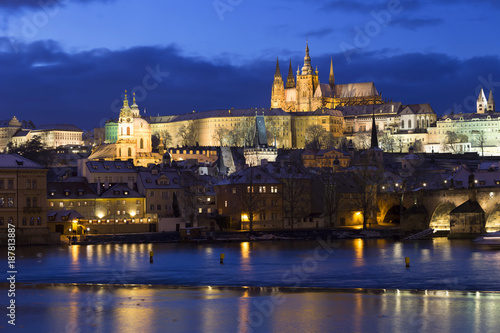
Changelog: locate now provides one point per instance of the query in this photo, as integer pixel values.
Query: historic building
(22, 199)
(133, 139)
(8, 128)
(56, 135)
(306, 93)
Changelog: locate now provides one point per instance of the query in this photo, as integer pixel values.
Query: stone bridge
(438, 204)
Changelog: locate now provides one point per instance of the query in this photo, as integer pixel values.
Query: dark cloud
(43, 83)
(318, 33)
(40, 4)
(414, 24)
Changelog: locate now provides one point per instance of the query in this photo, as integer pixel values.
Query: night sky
(70, 61)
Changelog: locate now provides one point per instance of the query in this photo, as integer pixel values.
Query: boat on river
(490, 239)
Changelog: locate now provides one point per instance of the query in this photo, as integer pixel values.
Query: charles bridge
(427, 208)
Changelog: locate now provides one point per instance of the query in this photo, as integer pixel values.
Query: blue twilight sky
(69, 61)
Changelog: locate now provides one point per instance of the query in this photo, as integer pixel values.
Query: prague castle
(308, 94)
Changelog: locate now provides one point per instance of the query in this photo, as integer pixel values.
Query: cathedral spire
(332, 76)
(290, 81)
(125, 100)
(491, 102)
(307, 69)
(374, 143)
(277, 73)
(482, 103)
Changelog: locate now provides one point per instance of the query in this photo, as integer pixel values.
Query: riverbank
(243, 236)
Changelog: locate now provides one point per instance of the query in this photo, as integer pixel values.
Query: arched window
(32, 221)
(409, 123)
(142, 143)
(402, 124)
(121, 131)
(38, 220)
(128, 130)
(24, 220)
(129, 151)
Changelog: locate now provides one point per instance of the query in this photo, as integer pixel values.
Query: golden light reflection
(135, 309)
(359, 245)
(75, 252)
(244, 305)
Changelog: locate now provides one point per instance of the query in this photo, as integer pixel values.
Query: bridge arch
(440, 219)
(393, 215)
(493, 219)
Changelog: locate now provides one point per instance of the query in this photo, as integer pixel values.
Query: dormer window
(80, 192)
(148, 180)
(67, 192)
(125, 192)
(116, 192)
(52, 192)
(94, 166)
(118, 166)
(154, 171)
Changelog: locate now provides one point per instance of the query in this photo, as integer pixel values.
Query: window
(10, 202)
(138, 202)
(28, 202)
(24, 221)
(1, 184)
(152, 207)
(234, 190)
(151, 194)
(10, 184)
(200, 210)
(262, 189)
(138, 212)
(32, 221)
(33, 201)
(28, 184)
(262, 216)
(274, 189)
(1, 220)
(123, 202)
(61, 204)
(129, 152)
(225, 203)
(158, 207)
(164, 195)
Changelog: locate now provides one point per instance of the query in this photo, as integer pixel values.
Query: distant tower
(278, 93)
(491, 102)
(374, 142)
(332, 76)
(482, 103)
(290, 80)
(307, 82)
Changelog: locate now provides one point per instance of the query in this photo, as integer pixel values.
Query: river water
(285, 286)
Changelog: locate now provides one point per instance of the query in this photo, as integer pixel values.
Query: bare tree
(331, 196)
(451, 139)
(247, 130)
(363, 140)
(387, 142)
(315, 136)
(296, 193)
(274, 132)
(248, 195)
(418, 146)
(188, 134)
(221, 136)
(365, 180)
(480, 140)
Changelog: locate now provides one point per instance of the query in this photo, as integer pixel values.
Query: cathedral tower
(307, 82)
(491, 102)
(278, 92)
(482, 103)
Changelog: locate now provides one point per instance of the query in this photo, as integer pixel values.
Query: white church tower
(482, 103)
